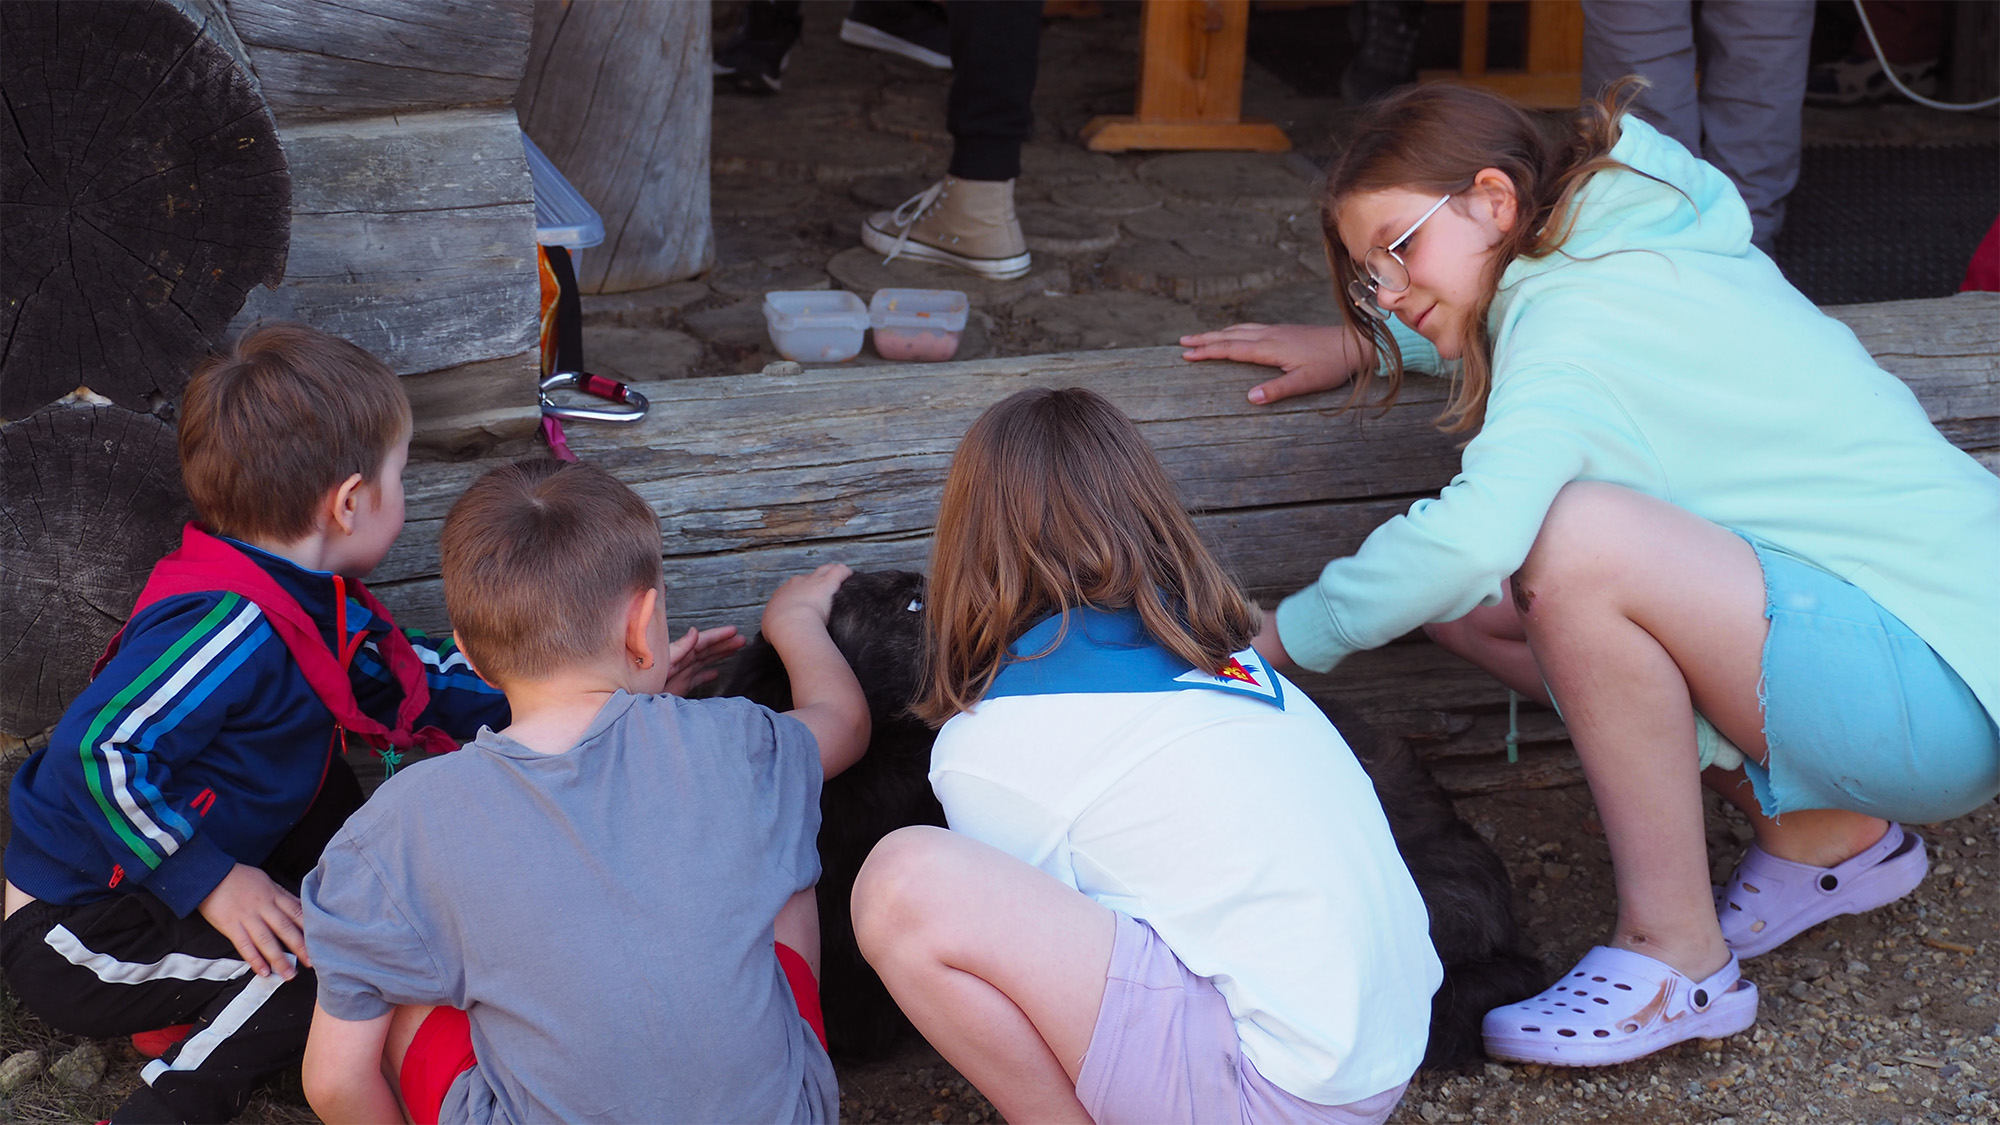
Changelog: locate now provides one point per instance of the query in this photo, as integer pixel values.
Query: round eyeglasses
(1385, 270)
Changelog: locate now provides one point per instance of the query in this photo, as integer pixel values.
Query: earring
(642, 665)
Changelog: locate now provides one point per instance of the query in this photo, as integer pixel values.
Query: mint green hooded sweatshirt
(1658, 351)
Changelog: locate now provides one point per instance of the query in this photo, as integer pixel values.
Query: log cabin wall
(413, 218)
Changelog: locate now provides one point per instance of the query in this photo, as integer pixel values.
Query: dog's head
(877, 623)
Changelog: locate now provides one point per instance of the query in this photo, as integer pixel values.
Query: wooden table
(1553, 76)
(1190, 84)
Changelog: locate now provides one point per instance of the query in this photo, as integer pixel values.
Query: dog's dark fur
(876, 624)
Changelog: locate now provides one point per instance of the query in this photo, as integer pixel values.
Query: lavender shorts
(1164, 1049)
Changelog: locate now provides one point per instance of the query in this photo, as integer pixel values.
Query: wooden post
(1190, 84)
(618, 95)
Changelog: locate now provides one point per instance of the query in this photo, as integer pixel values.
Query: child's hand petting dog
(691, 660)
(825, 695)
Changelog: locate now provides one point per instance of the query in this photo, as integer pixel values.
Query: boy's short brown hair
(268, 427)
(539, 557)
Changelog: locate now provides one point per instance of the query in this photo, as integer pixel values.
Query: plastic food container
(921, 324)
(816, 325)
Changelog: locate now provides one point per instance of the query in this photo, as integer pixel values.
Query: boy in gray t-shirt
(603, 912)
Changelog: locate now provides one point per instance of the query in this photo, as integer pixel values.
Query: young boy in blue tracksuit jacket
(160, 837)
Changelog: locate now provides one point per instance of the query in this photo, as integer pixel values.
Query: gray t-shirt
(603, 916)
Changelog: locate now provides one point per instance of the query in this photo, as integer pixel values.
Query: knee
(896, 890)
(1586, 534)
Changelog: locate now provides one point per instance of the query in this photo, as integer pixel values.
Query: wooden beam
(1190, 84)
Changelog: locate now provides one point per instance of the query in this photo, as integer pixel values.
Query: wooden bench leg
(1190, 84)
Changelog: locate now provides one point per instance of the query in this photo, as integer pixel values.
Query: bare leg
(999, 965)
(1639, 612)
(797, 925)
(402, 1032)
(1493, 638)
(1819, 837)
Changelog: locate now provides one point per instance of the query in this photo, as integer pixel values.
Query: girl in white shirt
(1168, 892)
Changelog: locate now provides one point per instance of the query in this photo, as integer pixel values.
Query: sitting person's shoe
(1860, 80)
(754, 58)
(153, 1044)
(1769, 900)
(1616, 1006)
(914, 29)
(969, 224)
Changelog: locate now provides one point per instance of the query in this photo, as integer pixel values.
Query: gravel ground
(1885, 1017)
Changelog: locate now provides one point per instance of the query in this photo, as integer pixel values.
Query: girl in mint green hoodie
(1694, 514)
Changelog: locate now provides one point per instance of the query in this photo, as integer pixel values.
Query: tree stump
(90, 498)
(145, 194)
(618, 95)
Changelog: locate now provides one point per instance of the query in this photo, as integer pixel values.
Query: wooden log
(414, 237)
(323, 60)
(618, 95)
(90, 498)
(756, 478)
(145, 195)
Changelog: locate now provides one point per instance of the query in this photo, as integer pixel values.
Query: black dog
(877, 625)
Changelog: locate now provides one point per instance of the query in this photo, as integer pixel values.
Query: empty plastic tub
(816, 325)
(917, 323)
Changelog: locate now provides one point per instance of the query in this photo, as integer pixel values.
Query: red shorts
(441, 1050)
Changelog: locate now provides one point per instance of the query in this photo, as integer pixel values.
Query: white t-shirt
(1246, 836)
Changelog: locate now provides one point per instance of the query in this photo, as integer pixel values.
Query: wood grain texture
(756, 478)
(320, 59)
(90, 498)
(618, 94)
(143, 194)
(414, 237)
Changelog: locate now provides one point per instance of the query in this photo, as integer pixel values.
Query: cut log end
(90, 499)
(145, 194)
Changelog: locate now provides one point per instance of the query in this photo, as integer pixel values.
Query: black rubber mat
(1887, 222)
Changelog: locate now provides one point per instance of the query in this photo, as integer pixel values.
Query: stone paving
(1130, 250)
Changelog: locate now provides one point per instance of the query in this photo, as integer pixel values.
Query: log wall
(413, 227)
(759, 477)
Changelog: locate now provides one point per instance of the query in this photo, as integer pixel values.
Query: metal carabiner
(599, 386)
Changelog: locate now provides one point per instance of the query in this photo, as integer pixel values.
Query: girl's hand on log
(260, 918)
(1313, 357)
(691, 660)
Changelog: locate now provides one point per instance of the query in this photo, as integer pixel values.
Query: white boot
(969, 224)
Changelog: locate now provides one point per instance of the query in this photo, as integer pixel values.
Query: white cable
(1890, 72)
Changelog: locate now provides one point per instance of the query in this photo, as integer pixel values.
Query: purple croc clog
(1616, 1006)
(1769, 900)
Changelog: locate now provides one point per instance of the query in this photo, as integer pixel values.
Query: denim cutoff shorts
(1859, 712)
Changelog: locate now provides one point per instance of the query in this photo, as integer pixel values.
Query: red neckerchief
(206, 564)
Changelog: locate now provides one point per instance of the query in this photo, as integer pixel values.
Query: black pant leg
(994, 46)
(125, 965)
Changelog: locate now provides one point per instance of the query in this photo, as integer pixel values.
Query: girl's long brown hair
(1054, 502)
(1436, 139)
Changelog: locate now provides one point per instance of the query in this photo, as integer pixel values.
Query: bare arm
(344, 1078)
(1312, 357)
(825, 695)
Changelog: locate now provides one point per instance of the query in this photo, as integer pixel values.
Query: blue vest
(1110, 652)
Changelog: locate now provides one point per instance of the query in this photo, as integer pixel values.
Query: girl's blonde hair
(1436, 139)
(1054, 502)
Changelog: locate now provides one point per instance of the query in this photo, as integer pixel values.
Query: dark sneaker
(914, 29)
(754, 58)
